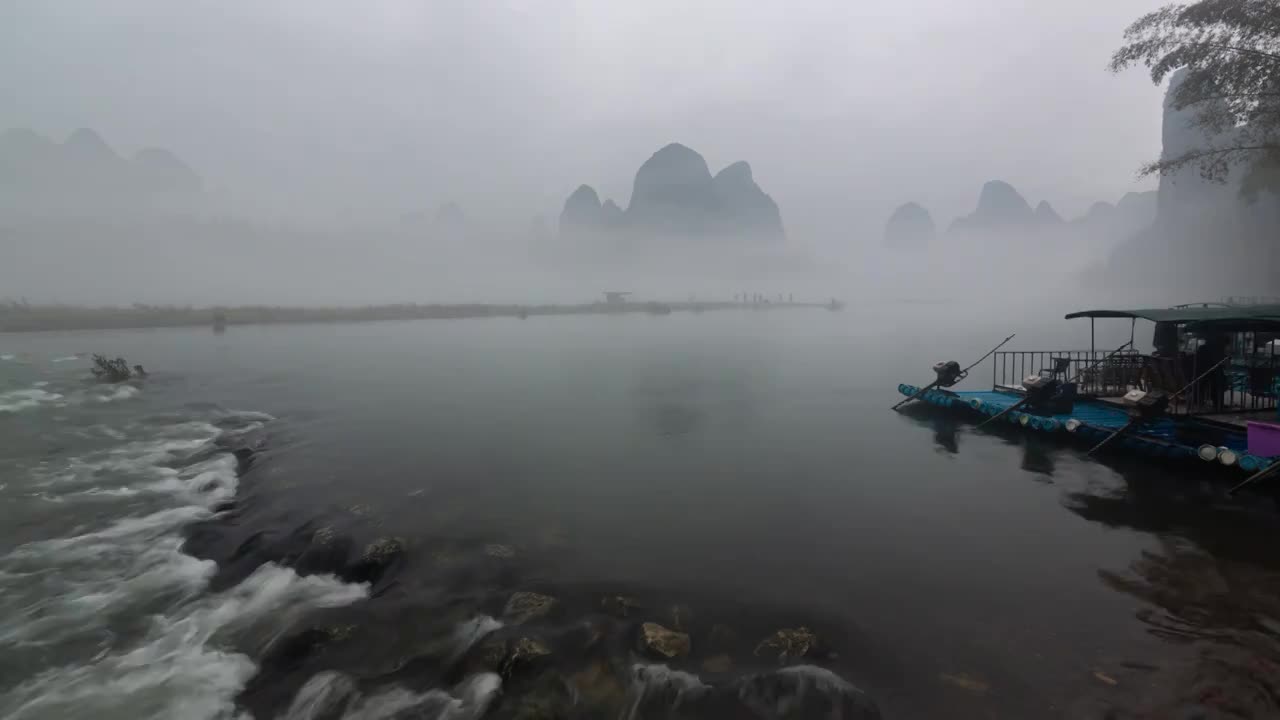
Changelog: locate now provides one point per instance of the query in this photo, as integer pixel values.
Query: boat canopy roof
(1220, 315)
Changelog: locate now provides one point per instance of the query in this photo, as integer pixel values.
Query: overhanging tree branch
(1227, 54)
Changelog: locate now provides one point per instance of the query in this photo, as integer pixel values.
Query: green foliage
(1230, 50)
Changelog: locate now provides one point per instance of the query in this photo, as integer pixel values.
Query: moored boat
(1206, 393)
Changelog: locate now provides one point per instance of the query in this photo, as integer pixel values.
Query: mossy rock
(525, 606)
(789, 644)
(524, 652)
(663, 642)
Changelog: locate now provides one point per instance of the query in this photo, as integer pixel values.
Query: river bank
(18, 317)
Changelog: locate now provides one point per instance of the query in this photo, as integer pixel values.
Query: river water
(330, 521)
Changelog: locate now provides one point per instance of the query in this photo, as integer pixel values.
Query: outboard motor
(1146, 405)
(1047, 394)
(948, 372)
(1040, 389)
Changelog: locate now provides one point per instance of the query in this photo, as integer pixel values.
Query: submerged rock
(789, 644)
(501, 552)
(662, 641)
(524, 652)
(327, 553)
(718, 664)
(619, 605)
(489, 654)
(326, 694)
(550, 698)
(681, 617)
(526, 606)
(598, 688)
(377, 558)
(722, 637)
(657, 691)
(805, 691)
(292, 650)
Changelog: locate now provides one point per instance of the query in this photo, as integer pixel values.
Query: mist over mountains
(1003, 216)
(66, 202)
(675, 196)
(1193, 235)
(83, 174)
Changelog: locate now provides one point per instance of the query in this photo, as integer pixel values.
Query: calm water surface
(732, 474)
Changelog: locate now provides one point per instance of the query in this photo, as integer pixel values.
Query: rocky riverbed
(463, 629)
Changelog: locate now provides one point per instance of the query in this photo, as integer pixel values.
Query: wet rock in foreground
(663, 642)
(524, 652)
(526, 606)
(789, 644)
(374, 563)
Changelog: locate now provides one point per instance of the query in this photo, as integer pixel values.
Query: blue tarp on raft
(1097, 420)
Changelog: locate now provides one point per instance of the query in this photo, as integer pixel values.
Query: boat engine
(1146, 404)
(1045, 394)
(948, 372)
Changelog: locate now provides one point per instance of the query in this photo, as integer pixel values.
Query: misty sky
(843, 108)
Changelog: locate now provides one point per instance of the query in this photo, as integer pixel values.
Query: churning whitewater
(106, 617)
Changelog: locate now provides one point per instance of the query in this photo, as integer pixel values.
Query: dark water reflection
(745, 467)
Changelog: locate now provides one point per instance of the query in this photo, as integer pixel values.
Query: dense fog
(326, 153)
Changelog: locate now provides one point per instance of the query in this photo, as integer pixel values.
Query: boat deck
(1237, 418)
(1096, 413)
(1095, 420)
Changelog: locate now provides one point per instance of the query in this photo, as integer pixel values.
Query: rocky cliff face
(1184, 192)
(674, 195)
(910, 226)
(1206, 239)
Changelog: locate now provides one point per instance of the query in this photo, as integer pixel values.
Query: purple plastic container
(1264, 439)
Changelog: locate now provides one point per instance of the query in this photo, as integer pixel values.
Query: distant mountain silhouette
(1046, 215)
(1000, 207)
(910, 226)
(159, 168)
(744, 207)
(583, 212)
(675, 195)
(85, 168)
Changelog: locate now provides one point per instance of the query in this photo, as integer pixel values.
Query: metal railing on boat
(1249, 383)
